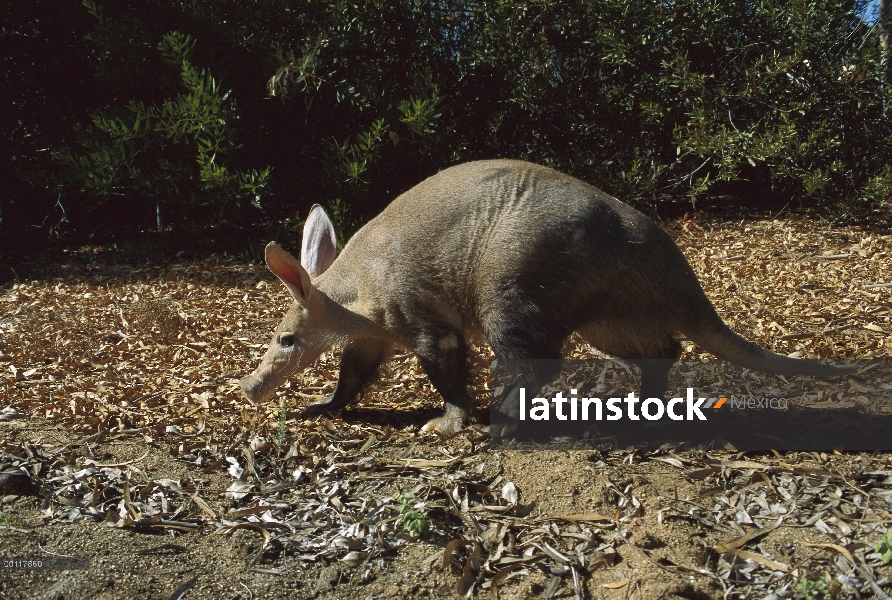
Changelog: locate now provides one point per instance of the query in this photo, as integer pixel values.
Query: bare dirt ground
(124, 441)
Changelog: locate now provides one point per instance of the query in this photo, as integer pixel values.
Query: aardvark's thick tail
(716, 337)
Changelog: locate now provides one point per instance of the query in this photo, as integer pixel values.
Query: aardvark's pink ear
(288, 269)
(320, 244)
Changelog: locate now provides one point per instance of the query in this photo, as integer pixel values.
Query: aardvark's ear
(319, 246)
(292, 274)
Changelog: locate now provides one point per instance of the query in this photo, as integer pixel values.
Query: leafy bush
(172, 155)
(349, 104)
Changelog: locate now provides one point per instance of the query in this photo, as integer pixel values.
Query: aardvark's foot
(319, 409)
(502, 431)
(446, 425)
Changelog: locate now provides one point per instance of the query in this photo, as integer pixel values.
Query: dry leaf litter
(95, 354)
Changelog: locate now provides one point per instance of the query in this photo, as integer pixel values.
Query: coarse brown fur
(515, 252)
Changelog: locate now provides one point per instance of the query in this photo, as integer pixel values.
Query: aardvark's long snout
(255, 387)
(275, 367)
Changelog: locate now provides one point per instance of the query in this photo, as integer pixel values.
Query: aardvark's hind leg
(654, 352)
(529, 354)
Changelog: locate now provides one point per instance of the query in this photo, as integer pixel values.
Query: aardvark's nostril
(249, 386)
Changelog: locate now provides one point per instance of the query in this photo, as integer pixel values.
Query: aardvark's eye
(286, 340)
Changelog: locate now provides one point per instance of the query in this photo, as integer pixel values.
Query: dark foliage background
(225, 121)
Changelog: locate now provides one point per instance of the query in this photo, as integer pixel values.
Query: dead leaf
(746, 555)
(509, 493)
(746, 538)
(837, 547)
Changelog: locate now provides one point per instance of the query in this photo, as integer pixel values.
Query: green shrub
(130, 109)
